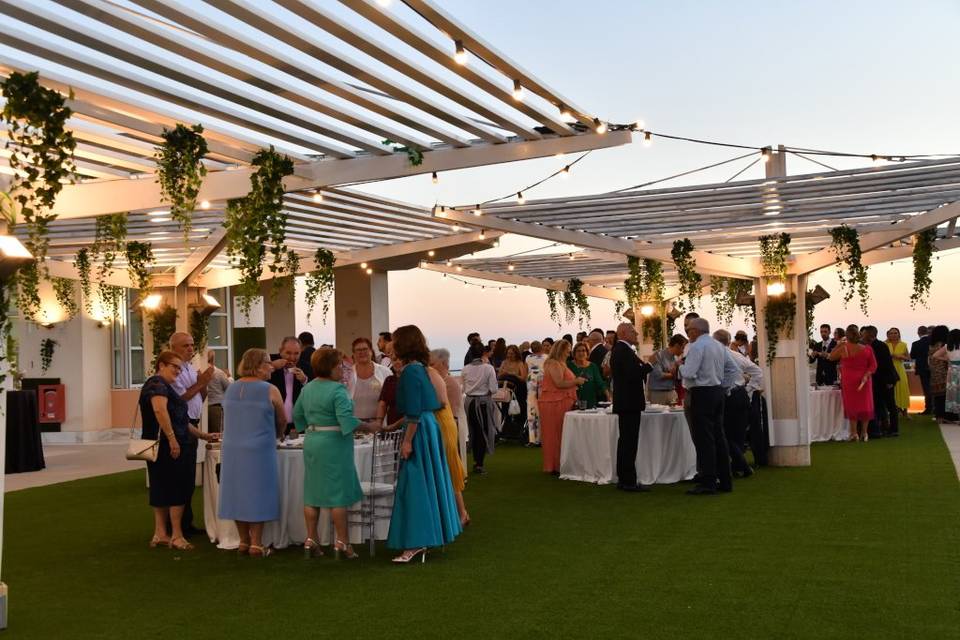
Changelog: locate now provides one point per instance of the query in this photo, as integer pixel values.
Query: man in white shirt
(740, 376)
(702, 374)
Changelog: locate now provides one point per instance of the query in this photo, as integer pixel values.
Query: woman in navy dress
(424, 508)
(253, 417)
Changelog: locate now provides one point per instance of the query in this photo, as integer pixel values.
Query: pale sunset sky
(856, 76)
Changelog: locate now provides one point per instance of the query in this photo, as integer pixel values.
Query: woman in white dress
(365, 380)
(534, 376)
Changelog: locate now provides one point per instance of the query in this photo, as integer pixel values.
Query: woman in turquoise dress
(424, 508)
(249, 475)
(325, 412)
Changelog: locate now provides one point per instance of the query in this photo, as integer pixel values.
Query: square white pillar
(361, 305)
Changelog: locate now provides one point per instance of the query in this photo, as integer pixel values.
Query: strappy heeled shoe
(180, 544)
(344, 548)
(465, 522)
(410, 554)
(256, 551)
(243, 548)
(157, 541)
(311, 549)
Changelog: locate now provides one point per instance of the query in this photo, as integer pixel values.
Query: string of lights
(467, 283)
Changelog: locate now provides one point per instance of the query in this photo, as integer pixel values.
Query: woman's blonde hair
(560, 351)
(252, 358)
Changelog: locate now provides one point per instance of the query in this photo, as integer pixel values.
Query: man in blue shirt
(702, 373)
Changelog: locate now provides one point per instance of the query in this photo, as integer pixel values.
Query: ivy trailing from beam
(180, 171)
(66, 294)
(320, 282)
(110, 297)
(846, 246)
(47, 347)
(618, 307)
(199, 329)
(778, 318)
(414, 154)
(725, 292)
(652, 328)
(82, 263)
(256, 223)
(163, 322)
(110, 241)
(575, 303)
(690, 281)
(139, 261)
(774, 250)
(633, 285)
(286, 275)
(644, 283)
(554, 303)
(41, 157)
(922, 266)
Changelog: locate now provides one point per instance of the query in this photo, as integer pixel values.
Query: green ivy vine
(66, 294)
(724, 292)
(575, 303)
(320, 282)
(652, 329)
(180, 171)
(554, 303)
(47, 347)
(846, 246)
(690, 281)
(109, 242)
(139, 261)
(199, 330)
(414, 154)
(778, 317)
(82, 263)
(286, 276)
(163, 323)
(774, 250)
(110, 298)
(633, 285)
(618, 308)
(644, 283)
(256, 223)
(922, 266)
(42, 161)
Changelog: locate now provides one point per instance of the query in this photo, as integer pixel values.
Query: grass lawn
(863, 544)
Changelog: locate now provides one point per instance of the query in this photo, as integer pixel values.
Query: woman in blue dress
(424, 508)
(253, 417)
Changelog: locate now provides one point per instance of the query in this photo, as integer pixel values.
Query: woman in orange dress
(857, 366)
(558, 393)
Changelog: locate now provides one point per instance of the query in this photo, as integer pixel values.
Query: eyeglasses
(175, 367)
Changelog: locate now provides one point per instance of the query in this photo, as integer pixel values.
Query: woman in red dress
(857, 366)
(558, 393)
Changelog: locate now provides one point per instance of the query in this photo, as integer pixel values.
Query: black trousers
(759, 429)
(477, 418)
(627, 448)
(886, 415)
(927, 396)
(736, 413)
(713, 455)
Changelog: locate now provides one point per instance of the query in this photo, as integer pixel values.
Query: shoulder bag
(140, 449)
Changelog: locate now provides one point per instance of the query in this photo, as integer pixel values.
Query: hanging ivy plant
(82, 263)
(552, 300)
(414, 154)
(774, 250)
(41, 157)
(7, 342)
(66, 294)
(199, 330)
(109, 241)
(47, 347)
(652, 329)
(180, 171)
(290, 268)
(671, 324)
(690, 281)
(724, 292)
(846, 246)
(778, 318)
(633, 285)
(618, 307)
(922, 266)
(320, 282)
(808, 312)
(257, 223)
(163, 322)
(575, 303)
(139, 261)
(110, 297)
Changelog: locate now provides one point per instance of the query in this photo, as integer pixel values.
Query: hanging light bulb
(477, 211)
(765, 154)
(517, 91)
(205, 204)
(571, 256)
(565, 172)
(431, 253)
(456, 228)
(363, 265)
(383, 3)
(318, 196)
(461, 55)
(483, 235)
(435, 178)
(638, 125)
(459, 268)
(510, 267)
(647, 139)
(565, 114)
(496, 244)
(520, 198)
(449, 263)
(369, 272)
(600, 127)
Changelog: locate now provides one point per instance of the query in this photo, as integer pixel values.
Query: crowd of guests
(327, 396)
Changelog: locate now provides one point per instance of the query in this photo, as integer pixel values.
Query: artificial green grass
(862, 544)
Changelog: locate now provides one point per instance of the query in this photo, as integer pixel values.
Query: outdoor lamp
(152, 302)
(13, 255)
(776, 289)
(818, 295)
(206, 305)
(646, 310)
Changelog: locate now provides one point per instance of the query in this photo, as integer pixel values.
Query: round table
(290, 528)
(588, 451)
(826, 418)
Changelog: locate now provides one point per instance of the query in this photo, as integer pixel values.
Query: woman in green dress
(325, 412)
(595, 388)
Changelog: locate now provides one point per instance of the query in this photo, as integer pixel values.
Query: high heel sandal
(311, 549)
(256, 551)
(410, 554)
(344, 548)
(465, 522)
(243, 548)
(157, 541)
(182, 545)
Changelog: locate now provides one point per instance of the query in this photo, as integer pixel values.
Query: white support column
(279, 315)
(361, 305)
(787, 380)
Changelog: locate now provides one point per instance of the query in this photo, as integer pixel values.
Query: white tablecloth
(588, 452)
(826, 416)
(290, 528)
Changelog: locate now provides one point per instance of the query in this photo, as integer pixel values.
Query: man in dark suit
(919, 352)
(887, 420)
(597, 351)
(628, 371)
(306, 343)
(820, 352)
(287, 376)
